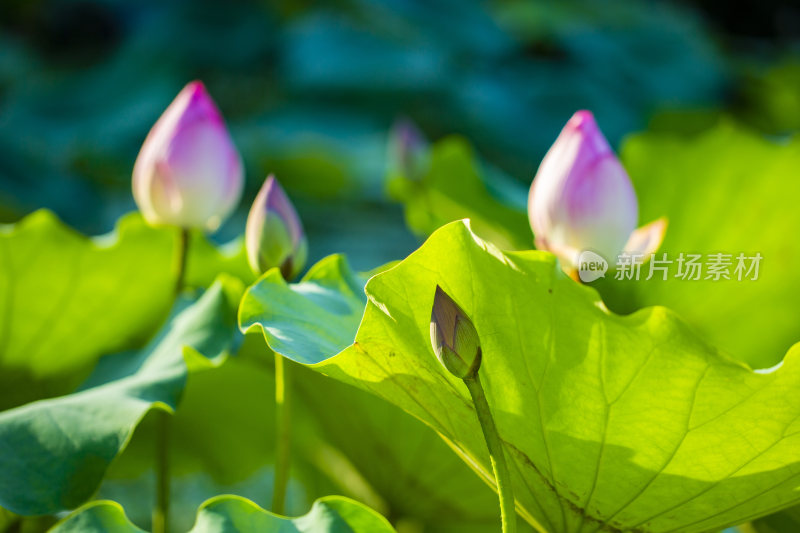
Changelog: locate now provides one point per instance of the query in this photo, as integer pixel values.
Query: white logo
(591, 266)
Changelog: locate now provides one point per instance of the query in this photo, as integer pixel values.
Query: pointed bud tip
(196, 88)
(197, 85)
(277, 200)
(583, 123)
(265, 193)
(197, 100)
(453, 336)
(582, 118)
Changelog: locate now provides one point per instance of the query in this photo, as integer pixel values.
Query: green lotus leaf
(610, 422)
(66, 300)
(98, 516)
(222, 442)
(233, 514)
(414, 474)
(724, 190)
(56, 451)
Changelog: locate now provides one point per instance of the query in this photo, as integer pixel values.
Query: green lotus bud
(453, 336)
(274, 235)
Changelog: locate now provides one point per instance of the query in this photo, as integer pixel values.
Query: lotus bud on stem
(456, 344)
(274, 237)
(274, 234)
(188, 174)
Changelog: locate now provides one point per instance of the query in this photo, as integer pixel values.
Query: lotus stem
(283, 434)
(161, 511)
(163, 428)
(502, 475)
(181, 255)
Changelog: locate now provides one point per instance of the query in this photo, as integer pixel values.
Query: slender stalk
(502, 476)
(283, 434)
(161, 511)
(181, 254)
(163, 428)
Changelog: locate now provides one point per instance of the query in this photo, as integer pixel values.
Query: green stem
(502, 476)
(161, 510)
(181, 254)
(283, 429)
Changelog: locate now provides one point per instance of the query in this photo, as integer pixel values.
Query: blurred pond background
(310, 90)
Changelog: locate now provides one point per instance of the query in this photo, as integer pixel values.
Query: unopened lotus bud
(274, 235)
(188, 172)
(582, 198)
(453, 336)
(408, 150)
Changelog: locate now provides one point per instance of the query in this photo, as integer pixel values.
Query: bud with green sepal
(274, 235)
(453, 336)
(457, 346)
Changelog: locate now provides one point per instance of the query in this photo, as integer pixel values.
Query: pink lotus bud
(582, 198)
(188, 172)
(274, 235)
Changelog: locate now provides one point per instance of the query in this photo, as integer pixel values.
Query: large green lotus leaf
(377, 454)
(68, 299)
(415, 475)
(610, 422)
(725, 190)
(222, 439)
(232, 514)
(451, 189)
(56, 451)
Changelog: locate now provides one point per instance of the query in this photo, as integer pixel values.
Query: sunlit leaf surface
(56, 451)
(610, 422)
(406, 463)
(66, 300)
